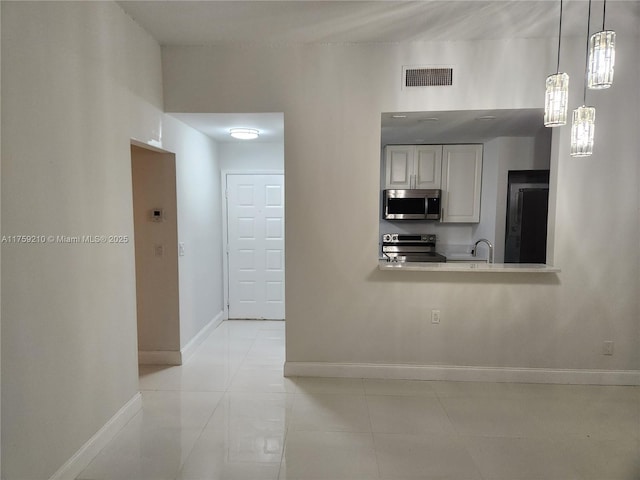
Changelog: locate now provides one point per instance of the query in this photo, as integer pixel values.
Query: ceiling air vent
(427, 76)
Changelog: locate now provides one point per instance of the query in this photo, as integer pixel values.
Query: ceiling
(468, 126)
(183, 22)
(217, 125)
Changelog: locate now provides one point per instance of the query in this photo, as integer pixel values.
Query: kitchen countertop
(461, 266)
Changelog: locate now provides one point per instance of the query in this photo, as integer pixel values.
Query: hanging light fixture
(244, 133)
(602, 55)
(582, 129)
(557, 91)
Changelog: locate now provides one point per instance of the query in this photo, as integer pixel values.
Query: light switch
(158, 250)
(181, 249)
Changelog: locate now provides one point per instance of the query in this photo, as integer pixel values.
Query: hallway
(228, 413)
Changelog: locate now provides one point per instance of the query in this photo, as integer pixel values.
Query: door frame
(156, 357)
(225, 228)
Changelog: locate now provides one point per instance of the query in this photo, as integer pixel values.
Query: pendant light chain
(586, 67)
(559, 38)
(604, 12)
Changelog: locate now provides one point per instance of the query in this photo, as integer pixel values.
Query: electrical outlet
(607, 348)
(435, 316)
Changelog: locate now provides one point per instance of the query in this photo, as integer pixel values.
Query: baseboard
(190, 348)
(174, 357)
(463, 374)
(81, 459)
(160, 357)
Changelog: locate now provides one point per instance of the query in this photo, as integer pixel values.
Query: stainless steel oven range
(401, 247)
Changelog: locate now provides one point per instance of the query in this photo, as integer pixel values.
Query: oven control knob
(386, 237)
(394, 237)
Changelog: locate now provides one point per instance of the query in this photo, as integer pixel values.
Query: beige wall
(154, 186)
(79, 81)
(340, 308)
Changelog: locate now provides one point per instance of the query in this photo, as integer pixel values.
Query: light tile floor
(229, 414)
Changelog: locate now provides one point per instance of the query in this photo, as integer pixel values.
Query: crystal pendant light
(556, 100)
(602, 55)
(582, 131)
(557, 91)
(583, 126)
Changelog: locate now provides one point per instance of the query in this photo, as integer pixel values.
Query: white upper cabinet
(413, 166)
(399, 166)
(428, 166)
(461, 183)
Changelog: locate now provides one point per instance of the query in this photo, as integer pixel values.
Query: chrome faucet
(474, 250)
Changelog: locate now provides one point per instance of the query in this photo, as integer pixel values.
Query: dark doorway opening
(527, 213)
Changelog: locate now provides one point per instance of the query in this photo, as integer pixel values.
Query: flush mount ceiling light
(398, 116)
(602, 53)
(557, 91)
(582, 129)
(430, 119)
(244, 133)
(486, 117)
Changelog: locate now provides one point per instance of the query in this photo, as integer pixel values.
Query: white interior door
(255, 240)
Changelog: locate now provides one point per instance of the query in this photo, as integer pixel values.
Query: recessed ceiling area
(462, 126)
(217, 125)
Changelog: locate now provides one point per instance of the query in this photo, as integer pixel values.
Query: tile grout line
(373, 438)
(220, 400)
(287, 425)
(458, 435)
(206, 423)
(286, 431)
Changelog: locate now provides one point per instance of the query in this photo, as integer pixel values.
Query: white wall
(489, 212)
(340, 308)
(79, 80)
(501, 155)
(0, 251)
(251, 156)
(199, 226)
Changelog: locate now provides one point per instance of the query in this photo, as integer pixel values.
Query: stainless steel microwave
(414, 204)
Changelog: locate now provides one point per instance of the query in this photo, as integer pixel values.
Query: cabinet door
(461, 183)
(427, 166)
(399, 166)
